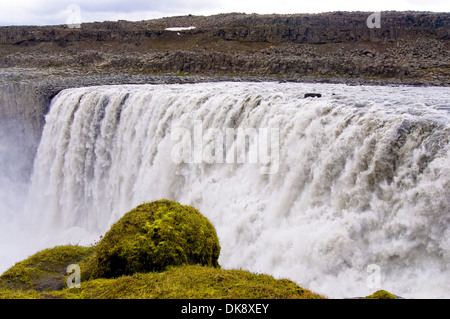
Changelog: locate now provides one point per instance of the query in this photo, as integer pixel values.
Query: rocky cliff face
(409, 47)
(20, 128)
(296, 28)
(336, 27)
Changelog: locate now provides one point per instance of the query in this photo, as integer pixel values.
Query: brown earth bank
(408, 48)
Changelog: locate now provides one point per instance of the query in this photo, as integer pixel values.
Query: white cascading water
(362, 177)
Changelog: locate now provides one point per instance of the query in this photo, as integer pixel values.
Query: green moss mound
(181, 282)
(381, 294)
(158, 250)
(154, 236)
(191, 282)
(45, 270)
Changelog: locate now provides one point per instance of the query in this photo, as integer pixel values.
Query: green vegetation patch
(381, 294)
(193, 281)
(154, 236)
(159, 250)
(45, 270)
(189, 282)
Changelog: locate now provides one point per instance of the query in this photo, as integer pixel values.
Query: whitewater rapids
(362, 177)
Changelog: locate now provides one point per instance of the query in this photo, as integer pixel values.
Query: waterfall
(317, 190)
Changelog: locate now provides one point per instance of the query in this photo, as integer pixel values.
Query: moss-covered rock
(45, 270)
(181, 282)
(381, 294)
(152, 237)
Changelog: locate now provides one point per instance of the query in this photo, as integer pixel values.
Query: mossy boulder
(154, 236)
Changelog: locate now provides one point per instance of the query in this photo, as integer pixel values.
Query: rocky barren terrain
(409, 47)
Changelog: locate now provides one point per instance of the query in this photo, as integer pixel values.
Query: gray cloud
(55, 11)
(144, 5)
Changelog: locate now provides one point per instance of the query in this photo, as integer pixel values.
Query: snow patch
(180, 28)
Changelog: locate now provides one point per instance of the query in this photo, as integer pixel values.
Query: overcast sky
(47, 12)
